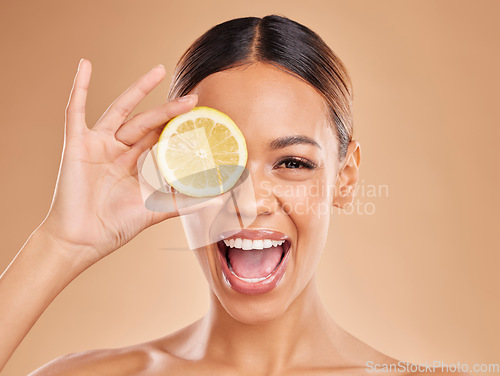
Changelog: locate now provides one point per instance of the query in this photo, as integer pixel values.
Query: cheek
(202, 257)
(308, 202)
(308, 205)
(208, 265)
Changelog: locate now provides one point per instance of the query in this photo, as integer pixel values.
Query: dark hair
(281, 42)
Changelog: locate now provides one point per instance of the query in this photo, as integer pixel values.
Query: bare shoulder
(153, 357)
(132, 360)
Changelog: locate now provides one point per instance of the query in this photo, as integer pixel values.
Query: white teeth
(258, 244)
(248, 244)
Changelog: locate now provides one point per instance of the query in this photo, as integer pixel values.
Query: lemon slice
(201, 153)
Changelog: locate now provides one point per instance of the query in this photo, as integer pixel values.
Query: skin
(286, 331)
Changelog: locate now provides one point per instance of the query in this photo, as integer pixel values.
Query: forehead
(262, 97)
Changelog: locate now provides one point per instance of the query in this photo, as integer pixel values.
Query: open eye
(295, 163)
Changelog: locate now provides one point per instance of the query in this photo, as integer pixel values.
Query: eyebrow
(283, 142)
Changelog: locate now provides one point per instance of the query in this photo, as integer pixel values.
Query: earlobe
(348, 176)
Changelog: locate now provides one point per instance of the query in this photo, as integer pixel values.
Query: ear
(348, 176)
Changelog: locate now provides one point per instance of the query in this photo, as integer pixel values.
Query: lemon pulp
(201, 153)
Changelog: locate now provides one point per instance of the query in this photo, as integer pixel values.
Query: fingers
(158, 196)
(131, 156)
(75, 109)
(143, 124)
(116, 114)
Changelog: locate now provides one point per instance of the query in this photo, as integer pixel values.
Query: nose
(252, 196)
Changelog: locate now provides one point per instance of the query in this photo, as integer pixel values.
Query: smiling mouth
(254, 261)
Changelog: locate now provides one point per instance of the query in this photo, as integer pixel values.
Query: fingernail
(158, 66)
(79, 64)
(186, 98)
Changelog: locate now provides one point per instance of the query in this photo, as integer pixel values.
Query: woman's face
(293, 165)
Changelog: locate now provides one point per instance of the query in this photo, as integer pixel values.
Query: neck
(297, 334)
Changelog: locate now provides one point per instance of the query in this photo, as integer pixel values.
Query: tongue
(254, 263)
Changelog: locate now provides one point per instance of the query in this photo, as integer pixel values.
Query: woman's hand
(97, 204)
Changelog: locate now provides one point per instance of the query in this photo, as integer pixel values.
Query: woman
(291, 98)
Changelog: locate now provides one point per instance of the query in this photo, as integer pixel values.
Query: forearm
(38, 273)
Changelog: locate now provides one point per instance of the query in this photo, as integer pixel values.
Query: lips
(253, 261)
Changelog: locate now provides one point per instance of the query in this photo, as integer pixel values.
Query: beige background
(417, 279)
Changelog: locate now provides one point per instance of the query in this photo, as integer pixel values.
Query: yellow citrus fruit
(201, 153)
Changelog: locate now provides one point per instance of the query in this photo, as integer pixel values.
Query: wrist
(73, 256)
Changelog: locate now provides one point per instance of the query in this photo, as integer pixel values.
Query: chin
(253, 310)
